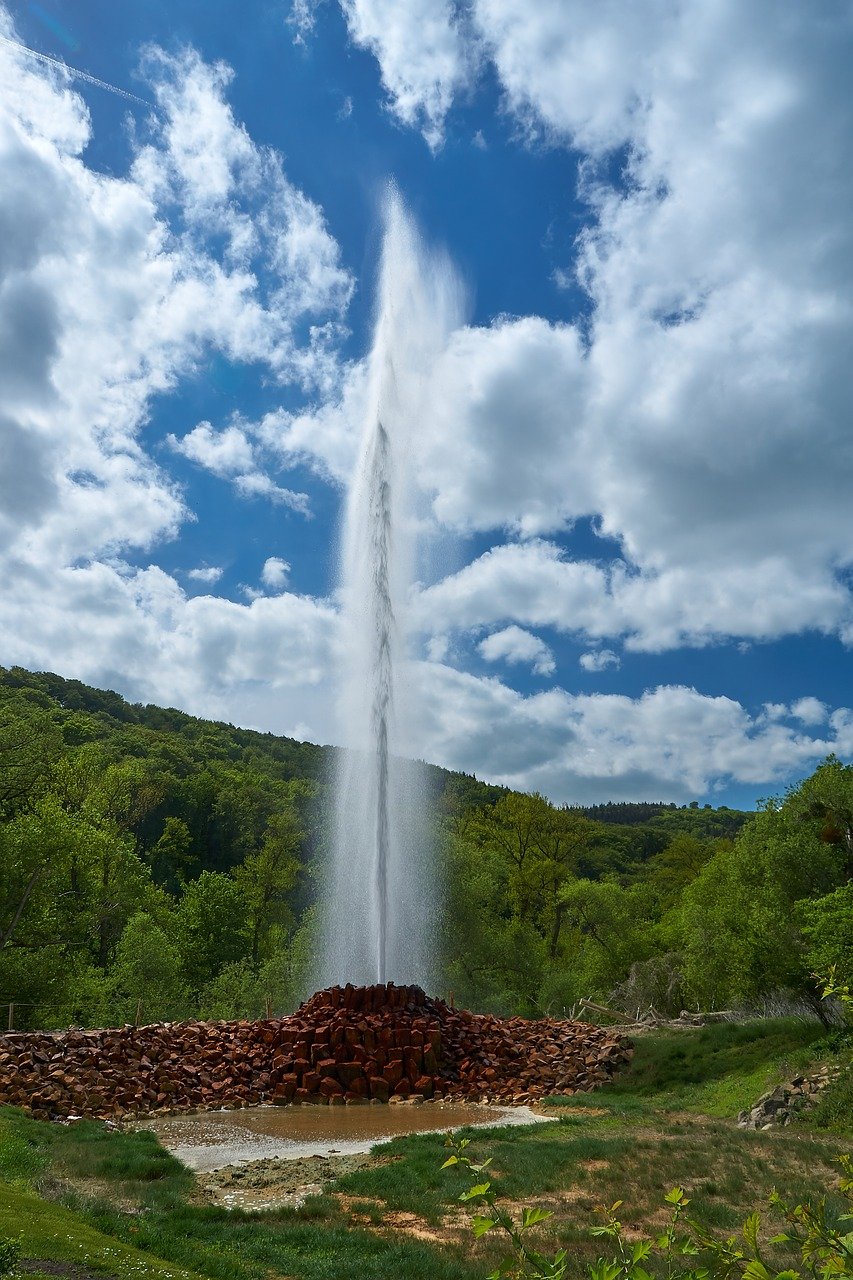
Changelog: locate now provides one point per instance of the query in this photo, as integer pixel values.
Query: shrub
(822, 1246)
(10, 1252)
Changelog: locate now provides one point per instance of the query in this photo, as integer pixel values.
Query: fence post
(11, 1015)
(269, 1008)
(138, 1011)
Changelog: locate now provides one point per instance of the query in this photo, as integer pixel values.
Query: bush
(10, 1252)
(657, 983)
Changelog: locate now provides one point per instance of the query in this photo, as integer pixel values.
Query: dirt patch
(47, 1267)
(576, 1113)
(276, 1184)
(413, 1225)
(575, 1195)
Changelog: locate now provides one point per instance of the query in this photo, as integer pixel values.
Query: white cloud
(422, 53)
(275, 573)
(536, 584)
(810, 711)
(205, 573)
(110, 294)
(695, 417)
(599, 660)
(257, 485)
(230, 454)
(225, 453)
(303, 18)
(701, 418)
(516, 646)
(672, 742)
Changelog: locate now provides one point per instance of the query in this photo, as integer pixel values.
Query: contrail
(74, 71)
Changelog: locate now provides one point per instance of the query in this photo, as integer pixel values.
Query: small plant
(524, 1261)
(684, 1250)
(824, 1247)
(833, 986)
(10, 1252)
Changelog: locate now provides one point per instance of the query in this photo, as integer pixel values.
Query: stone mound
(344, 1045)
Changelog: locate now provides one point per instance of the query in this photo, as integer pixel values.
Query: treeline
(696, 907)
(158, 865)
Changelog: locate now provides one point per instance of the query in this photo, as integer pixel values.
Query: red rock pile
(345, 1045)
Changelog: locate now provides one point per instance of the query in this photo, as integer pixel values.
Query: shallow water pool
(211, 1139)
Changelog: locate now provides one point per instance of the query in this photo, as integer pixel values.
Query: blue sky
(635, 473)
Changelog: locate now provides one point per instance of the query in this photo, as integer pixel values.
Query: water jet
(380, 906)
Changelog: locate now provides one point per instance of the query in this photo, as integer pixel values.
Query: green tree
(147, 969)
(741, 932)
(268, 876)
(613, 927)
(827, 926)
(824, 801)
(211, 927)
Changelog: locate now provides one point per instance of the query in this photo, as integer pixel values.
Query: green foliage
(10, 1253)
(524, 1261)
(740, 918)
(210, 927)
(827, 929)
(147, 969)
(150, 857)
(814, 1239)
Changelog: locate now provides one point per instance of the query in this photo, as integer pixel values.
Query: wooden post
(11, 1015)
(138, 1012)
(269, 1008)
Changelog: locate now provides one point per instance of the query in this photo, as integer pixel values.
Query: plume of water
(380, 910)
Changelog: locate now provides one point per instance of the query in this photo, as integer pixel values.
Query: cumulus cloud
(537, 584)
(275, 573)
(423, 56)
(699, 417)
(515, 645)
(599, 660)
(230, 454)
(693, 416)
(672, 742)
(810, 711)
(112, 288)
(205, 573)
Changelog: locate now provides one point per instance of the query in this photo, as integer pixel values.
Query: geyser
(380, 906)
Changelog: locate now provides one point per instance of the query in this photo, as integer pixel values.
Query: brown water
(212, 1139)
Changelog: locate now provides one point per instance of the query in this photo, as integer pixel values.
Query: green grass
(231, 1245)
(51, 1232)
(134, 1166)
(669, 1120)
(718, 1070)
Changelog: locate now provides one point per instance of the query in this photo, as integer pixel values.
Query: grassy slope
(667, 1122)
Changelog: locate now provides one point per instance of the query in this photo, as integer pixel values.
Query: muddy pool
(212, 1139)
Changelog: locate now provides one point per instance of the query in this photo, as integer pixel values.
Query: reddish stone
(348, 1072)
(393, 1073)
(379, 1088)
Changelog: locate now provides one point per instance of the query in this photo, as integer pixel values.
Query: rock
(382, 1043)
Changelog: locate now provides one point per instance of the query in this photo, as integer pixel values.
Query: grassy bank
(116, 1203)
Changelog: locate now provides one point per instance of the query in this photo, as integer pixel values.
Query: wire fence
(28, 1015)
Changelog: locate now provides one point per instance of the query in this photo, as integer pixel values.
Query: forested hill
(79, 713)
(153, 861)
